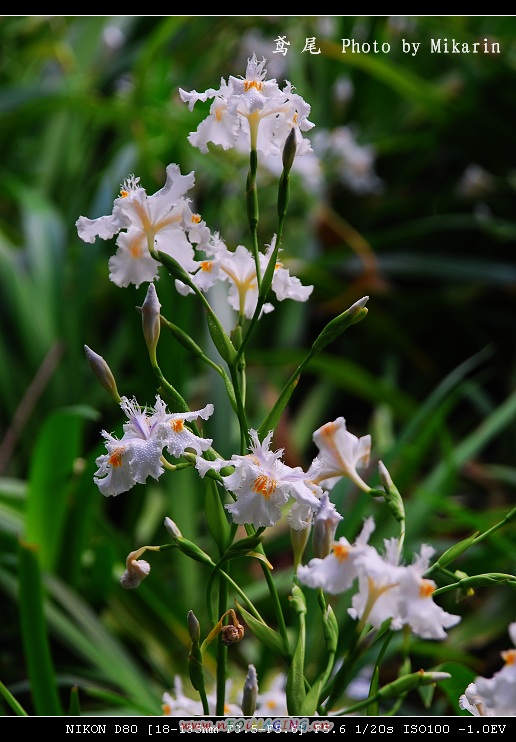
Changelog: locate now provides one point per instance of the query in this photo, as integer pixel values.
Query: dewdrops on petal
(173, 432)
(341, 454)
(137, 455)
(128, 461)
(495, 696)
(250, 112)
(203, 466)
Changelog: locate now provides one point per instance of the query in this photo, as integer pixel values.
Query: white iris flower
(251, 113)
(386, 589)
(263, 484)
(163, 221)
(238, 268)
(495, 696)
(341, 453)
(137, 455)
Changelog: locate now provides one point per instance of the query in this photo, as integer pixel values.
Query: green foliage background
(87, 100)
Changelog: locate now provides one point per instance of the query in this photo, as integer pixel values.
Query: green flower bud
(391, 496)
(193, 551)
(250, 692)
(289, 151)
(172, 528)
(103, 373)
(331, 629)
(409, 682)
(195, 669)
(333, 329)
(151, 320)
(299, 539)
(297, 600)
(194, 629)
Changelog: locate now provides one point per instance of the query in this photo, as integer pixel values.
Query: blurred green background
(412, 204)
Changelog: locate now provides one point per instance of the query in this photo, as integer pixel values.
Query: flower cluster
(238, 268)
(255, 487)
(386, 589)
(263, 484)
(164, 222)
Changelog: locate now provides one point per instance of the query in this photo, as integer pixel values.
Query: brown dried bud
(231, 634)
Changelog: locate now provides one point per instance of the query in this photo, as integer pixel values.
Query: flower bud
(392, 495)
(193, 551)
(337, 325)
(409, 682)
(299, 539)
(331, 629)
(289, 150)
(250, 692)
(151, 322)
(324, 527)
(297, 600)
(385, 477)
(194, 629)
(103, 373)
(172, 528)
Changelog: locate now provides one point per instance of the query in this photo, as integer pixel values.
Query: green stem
(222, 655)
(252, 209)
(507, 519)
(340, 680)
(273, 592)
(467, 544)
(240, 409)
(209, 588)
(263, 290)
(373, 709)
(204, 701)
(331, 652)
